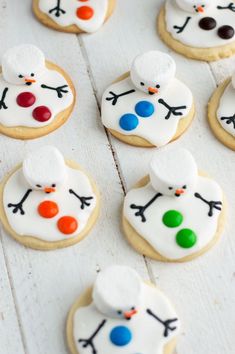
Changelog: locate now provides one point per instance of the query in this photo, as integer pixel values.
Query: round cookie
(221, 113)
(116, 328)
(174, 214)
(144, 108)
(36, 96)
(199, 29)
(73, 16)
(47, 202)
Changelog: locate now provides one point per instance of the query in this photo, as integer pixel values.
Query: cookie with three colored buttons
(74, 16)
(36, 96)
(174, 213)
(199, 29)
(122, 314)
(47, 202)
(148, 107)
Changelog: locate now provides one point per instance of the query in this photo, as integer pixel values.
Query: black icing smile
(28, 83)
(151, 93)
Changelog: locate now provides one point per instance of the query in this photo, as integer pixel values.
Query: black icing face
(27, 79)
(199, 8)
(127, 314)
(180, 191)
(151, 89)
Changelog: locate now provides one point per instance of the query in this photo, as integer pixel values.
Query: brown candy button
(226, 32)
(207, 23)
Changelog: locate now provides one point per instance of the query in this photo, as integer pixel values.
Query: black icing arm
(182, 28)
(212, 204)
(171, 110)
(166, 324)
(19, 206)
(89, 342)
(2, 100)
(59, 90)
(57, 10)
(83, 200)
(231, 6)
(142, 208)
(114, 97)
(229, 120)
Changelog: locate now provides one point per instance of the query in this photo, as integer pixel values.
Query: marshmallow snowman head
(152, 72)
(117, 292)
(198, 6)
(23, 65)
(45, 169)
(173, 172)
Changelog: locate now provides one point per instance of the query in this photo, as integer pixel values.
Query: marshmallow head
(23, 65)
(173, 172)
(194, 6)
(45, 169)
(117, 292)
(152, 72)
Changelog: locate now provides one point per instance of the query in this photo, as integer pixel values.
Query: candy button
(120, 336)
(25, 99)
(48, 209)
(67, 225)
(144, 109)
(128, 122)
(172, 218)
(186, 238)
(226, 32)
(41, 114)
(207, 23)
(85, 12)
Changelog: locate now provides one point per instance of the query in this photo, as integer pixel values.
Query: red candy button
(41, 114)
(67, 225)
(48, 209)
(85, 12)
(25, 99)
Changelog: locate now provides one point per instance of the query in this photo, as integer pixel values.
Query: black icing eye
(20, 76)
(194, 6)
(157, 86)
(142, 83)
(170, 188)
(133, 308)
(38, 185)
(184, 187)
(53, 185)
(119, 312)
(32, 74)
(203, 5)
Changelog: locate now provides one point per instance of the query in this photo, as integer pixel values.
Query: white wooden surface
(37, 288)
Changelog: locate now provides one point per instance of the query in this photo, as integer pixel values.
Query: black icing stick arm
(176, 111)
(114, 97)
(212, 204)
(59, 90)
(167, 324)
(2, 100)
(142, 208)
(19, 206)
(89, 342)
(84, 200)
(229, 120)
(231, 7)
(182, 28)
(57, 10)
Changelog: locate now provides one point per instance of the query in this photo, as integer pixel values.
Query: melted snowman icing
(156, 128)
(147, 333)
(194, 211)
(226, 110)
(32, 224)
(193, 35)
(68, 14)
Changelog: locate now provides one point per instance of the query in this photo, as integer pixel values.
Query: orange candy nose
(200, 9)
(48, 209)
(85, 12)
(67, 225)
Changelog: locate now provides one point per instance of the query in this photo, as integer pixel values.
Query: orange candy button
(85, 12)
(67, 225)
(48, 209)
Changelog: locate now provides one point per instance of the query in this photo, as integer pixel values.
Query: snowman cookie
(199, 29)
(122, 314)
(36, 96)
(149, 106)
(174, 213)
(74, 16)
(47, 202)
(221, 112)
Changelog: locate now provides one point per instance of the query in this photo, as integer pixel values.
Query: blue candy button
(144, 109)
(128, 122)
(120, 336)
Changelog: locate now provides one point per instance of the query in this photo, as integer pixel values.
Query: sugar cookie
(148, 107)
(47, 202)
(122, 314)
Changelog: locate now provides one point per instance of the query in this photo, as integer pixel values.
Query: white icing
(194, 211)
(70, 18)
(32, 224)
(227, 109)
(155, 129)
(147, 332)
(193, 5)
(173, 171)
(193, 35)
(152, 69)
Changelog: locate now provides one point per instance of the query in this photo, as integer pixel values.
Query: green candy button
(186, 238)
(172, 218)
